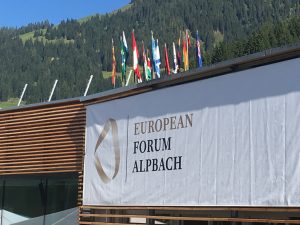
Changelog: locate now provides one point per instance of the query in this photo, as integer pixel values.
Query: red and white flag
(167, 65)
(136, 59)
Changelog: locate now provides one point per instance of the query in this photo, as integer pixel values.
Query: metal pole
(54, 86)
(88, 85)
(128, 78)
(23, 92)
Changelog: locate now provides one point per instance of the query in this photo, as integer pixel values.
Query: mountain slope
(73, 50)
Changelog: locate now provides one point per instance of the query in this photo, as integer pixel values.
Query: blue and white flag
(156, 56)
(175, 64)
(198, 51)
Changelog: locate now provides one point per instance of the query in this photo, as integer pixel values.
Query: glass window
(61, 206)
(61, 194)
(24, 199)
(39, 200)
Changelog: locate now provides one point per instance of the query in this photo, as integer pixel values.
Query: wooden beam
(184, 218)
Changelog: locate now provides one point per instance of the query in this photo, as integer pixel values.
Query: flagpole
(54, 86)
(128, 77)
(88, 85)
(23, 92)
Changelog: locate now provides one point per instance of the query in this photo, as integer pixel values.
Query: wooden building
(42, 148)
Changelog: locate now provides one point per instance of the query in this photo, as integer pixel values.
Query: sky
(17, 13)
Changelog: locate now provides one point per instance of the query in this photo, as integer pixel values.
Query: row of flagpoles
(53, 89)
(151, 66)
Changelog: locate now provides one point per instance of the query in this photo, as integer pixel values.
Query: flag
(198, 51)
(135, 59)
(175, 65)
(157, 62)
(187, 36)
(147, 69)
(124, 55)
(155, 56)
(179, 59)
(186, 44)
(113, 75)
(184, 55)
(167, 65)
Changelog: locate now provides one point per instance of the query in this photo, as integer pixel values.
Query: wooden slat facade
(123, 214)
(44, 139)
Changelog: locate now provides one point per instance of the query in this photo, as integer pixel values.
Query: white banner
(232, 140)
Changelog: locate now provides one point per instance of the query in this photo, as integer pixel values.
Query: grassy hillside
(10, 103)
(41, 38)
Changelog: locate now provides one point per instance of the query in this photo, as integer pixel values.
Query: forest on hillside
(71, 51)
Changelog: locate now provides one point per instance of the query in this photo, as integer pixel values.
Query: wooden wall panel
(42, 139)
(128, 214)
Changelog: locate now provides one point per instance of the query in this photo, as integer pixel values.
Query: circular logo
(110, 124)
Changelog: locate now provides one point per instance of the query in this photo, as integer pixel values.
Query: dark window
(61, 194)
(38, 200)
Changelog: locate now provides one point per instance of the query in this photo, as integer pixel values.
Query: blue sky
(16, 13)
